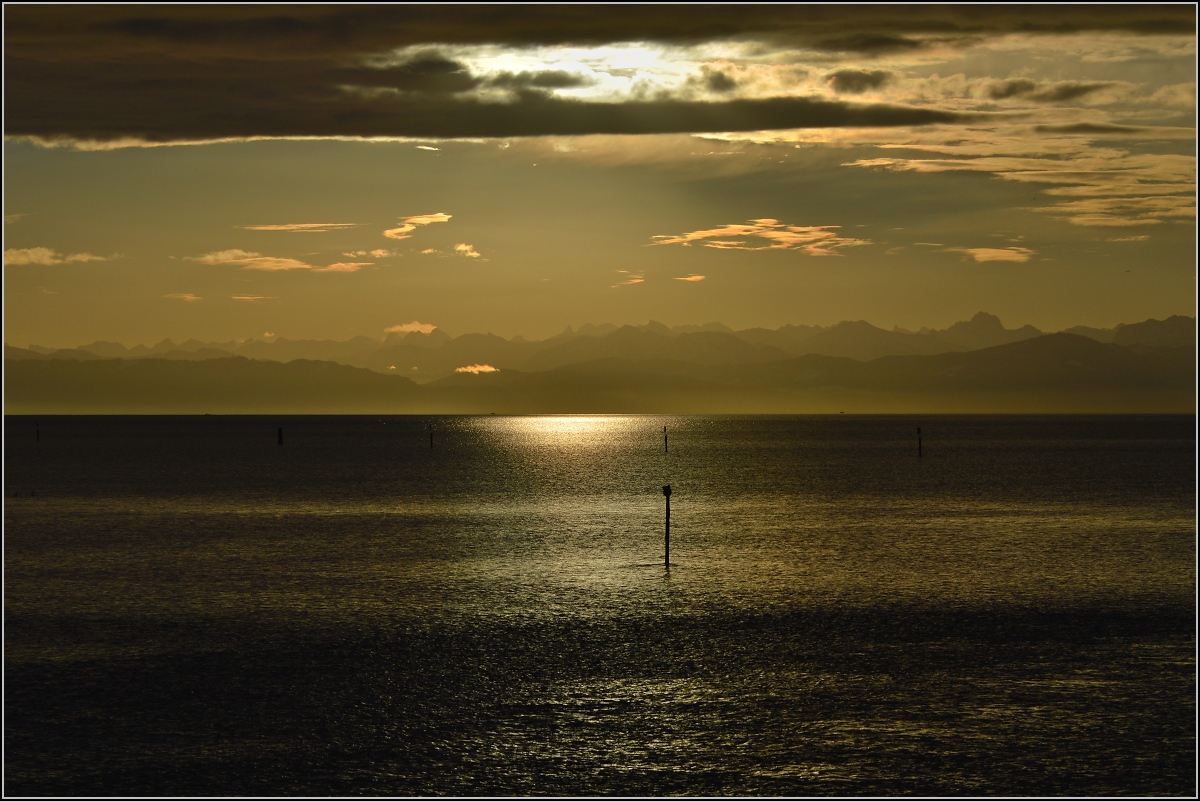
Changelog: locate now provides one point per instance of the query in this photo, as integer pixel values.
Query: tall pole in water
(431, 436)
(918, 442)
(667, 540)
(665, 439)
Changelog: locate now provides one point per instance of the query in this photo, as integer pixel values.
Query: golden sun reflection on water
(558, 430)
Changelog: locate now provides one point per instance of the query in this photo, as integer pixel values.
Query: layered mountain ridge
(427, 357)
(850, 367)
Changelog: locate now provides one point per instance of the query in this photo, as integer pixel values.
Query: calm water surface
(191, 608)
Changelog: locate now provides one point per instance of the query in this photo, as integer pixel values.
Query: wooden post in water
(665, 449)
(918, 442)
(431, 436)
(281, 435)
(667, 540)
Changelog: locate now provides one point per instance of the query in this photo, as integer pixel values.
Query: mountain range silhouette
(972, 366)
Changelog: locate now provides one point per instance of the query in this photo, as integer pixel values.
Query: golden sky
(225, 172)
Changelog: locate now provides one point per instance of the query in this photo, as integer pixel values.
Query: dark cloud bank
(169, 73)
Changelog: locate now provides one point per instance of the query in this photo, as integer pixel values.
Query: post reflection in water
(193, 610)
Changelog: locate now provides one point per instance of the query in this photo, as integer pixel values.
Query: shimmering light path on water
(194, 609)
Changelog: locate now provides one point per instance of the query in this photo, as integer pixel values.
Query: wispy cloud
(409, 224)
(1100, 185)
(692, 277)
(254, 299)
(1141, 238)
(630, 278)
(248, 260)
(461, 249)
(1045, 92)
(47, 256)
(184, 296)
(815, 240)
(9, 219)
(343, 267)
(308, 228)
(996, 254)
(476, 369)
(378, 253)
(408, 328)
(427, 147)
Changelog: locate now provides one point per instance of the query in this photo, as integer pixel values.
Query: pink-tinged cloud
(343, 267)
(254, 299)
(378, 253)
(303, 228)
(476, 369)
(464, 249)
(184, 296)
(250, 261)
(405, 229)
(632, 279)
(814, 240)
(407, 328)
(996, 254)
(692, 277)
(46, 256)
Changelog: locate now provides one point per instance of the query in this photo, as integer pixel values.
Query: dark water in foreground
(191, 608)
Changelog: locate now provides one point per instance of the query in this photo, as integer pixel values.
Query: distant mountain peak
(981, 321)
(656, 327)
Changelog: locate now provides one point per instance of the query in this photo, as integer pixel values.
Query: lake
(192, 608)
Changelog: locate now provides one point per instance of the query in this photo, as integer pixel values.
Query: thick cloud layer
(171, 73)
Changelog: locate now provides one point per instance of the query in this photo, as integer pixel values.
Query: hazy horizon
(592, 326)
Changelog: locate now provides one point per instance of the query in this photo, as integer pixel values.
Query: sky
(320, 172)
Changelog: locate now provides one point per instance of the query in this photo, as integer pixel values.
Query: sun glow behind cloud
(608, 72)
